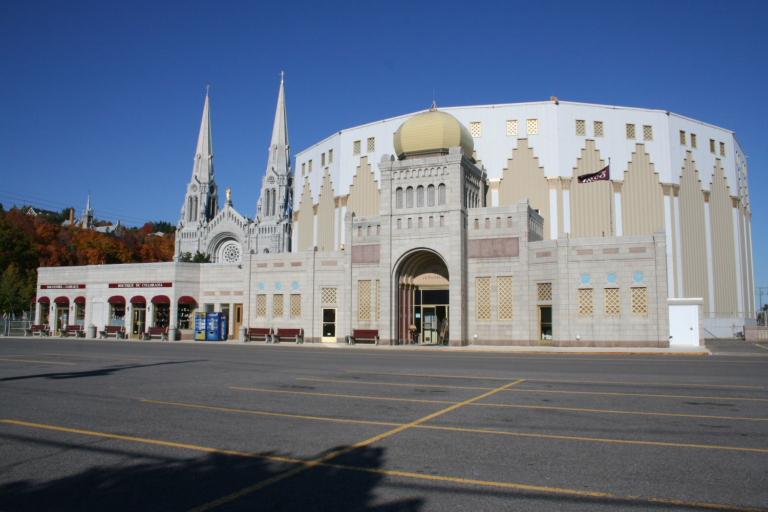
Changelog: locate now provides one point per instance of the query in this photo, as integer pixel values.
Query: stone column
(617, 206)
(708, 241)
(495, 183)
(567, 204)
(667, 191)
(737, 246)
(658, 296)
(553, 228)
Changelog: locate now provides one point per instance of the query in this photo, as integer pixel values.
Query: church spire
(279, 150)
(203, 166)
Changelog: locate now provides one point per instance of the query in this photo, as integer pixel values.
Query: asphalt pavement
(121, 425)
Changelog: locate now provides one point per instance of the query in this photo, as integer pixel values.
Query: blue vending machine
(200, 326)
(223, 326)
(213, 326)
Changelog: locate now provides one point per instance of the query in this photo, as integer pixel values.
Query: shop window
(79, 314)
(162, 315)
(186, 316)
(117, 314)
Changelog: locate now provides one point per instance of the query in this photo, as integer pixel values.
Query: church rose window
(231, 253)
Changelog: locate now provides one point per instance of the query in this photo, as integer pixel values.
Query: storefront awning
(34, 299)
(44, 300)
(79, 300)
(62, 300)
(116, 299)
(161, 299)
(138, 299)
(186, 299)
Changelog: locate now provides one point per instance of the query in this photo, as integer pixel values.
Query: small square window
(322, 160)
(581, 128)
(309, 166)
(682, 138)
(356, 147)
(371, 145)
(330, 156)
(476, 129)
(532, 126)
(693, 141)
(631, 131)
(512, 128)
(598, 129)
(712, 146)
(647, 132)
(722, 149)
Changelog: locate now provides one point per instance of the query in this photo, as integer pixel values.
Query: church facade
(423, 243)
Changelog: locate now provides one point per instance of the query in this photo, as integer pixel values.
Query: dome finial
(433, 108)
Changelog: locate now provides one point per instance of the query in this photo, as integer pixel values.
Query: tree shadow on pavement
(101, 372)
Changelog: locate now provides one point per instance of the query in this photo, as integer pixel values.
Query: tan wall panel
(642, 200)
(723, 241)
(590, 202)
(325, 208)
(364, 191)
(523, 178)
(306, 222)
(693, 233)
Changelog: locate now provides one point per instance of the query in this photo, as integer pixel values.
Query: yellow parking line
(639, 394)
(402, 474)
(42, 362)
(562, 381)
(391, 384)
(700, 416)
(759, 345)
(346, 396)
(297, 416)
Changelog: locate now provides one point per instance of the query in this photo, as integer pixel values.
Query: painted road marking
(469, 430)
(333, 455)
(563, 381)
(607, 411)
(42, 362)
(759, 345)
(537, 390)
(403, 474)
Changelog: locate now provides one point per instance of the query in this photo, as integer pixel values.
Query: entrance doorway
(62, 317)
(329, 325)
(423, 300)
(545, 325)
(237, 321)
(139, 320)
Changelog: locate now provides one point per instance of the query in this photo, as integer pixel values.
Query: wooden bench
(162, 332)
(364, 335)
(295, 334)
(258, 333)
(37, 329)
(118, 331)
(77, 330)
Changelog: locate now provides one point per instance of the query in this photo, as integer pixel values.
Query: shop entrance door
(62, 318)
(237, 321)
(545, 325)
(139, 321)
(329, 325)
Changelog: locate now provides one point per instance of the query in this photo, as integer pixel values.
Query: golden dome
(432, 132)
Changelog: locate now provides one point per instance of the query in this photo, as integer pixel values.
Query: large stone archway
(422, 285)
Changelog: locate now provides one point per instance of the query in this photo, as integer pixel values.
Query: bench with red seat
(292, 334)
(364, 335)
(77, 330)
(161, 332)
(37, 329)
(118, 331)
(258, 334)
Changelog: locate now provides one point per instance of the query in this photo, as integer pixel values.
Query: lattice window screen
(296, 305)
(261, 305)
(476, 129)
(277, 305)
(599, 129)
(364, 301)
(505, 298)
(512, 128)
(682, 138)
(532, 126)
(322, 160)
(694, 144)
(711, 145)
(371, 144)
(639, 297)
(544, 291)
(356, 146)
(722, 149)
(378, 300)
(647, 132)
(586, 302)
(330, 156)
(630, 131)
(328, 295)
(612, 302)
(303, 168)
(483, 286)
(581, 127)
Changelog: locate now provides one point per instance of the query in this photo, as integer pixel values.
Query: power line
(57, 204)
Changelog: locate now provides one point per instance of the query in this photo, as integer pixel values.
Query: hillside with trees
(28, 242)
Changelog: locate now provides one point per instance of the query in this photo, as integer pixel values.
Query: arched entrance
(423, 309)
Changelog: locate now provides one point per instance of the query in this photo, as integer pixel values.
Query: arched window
(441, 194)
(431, 195)
(189, 210)
(273, 200)
(194, 218)
(420, 196)
(269, 202)
(399, 198)
(409, 197)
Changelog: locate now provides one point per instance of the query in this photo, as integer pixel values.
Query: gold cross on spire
(206, 89)
(282, 74)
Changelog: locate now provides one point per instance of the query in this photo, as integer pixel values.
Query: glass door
(429, 327)
(545, 325)
(62, 317)
(139, 321)
(329, 325)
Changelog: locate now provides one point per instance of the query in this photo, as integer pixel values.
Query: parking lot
(118, 425)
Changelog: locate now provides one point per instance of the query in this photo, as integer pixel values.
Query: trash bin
(91, 331)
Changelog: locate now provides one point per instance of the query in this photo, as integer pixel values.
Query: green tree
(15, 246)
(186, 257)
(17, 287)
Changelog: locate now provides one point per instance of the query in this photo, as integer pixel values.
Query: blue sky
(107, 96)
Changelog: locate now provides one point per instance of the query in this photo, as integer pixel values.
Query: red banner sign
(140, 285)
(61, 286)
(601, 175)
